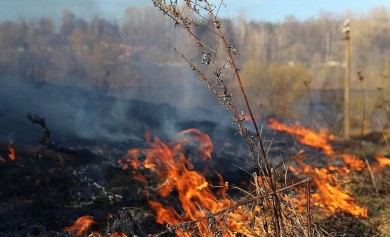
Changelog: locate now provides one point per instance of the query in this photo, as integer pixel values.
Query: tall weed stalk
(218, 69)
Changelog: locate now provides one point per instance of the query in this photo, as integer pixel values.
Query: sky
(264, 10)
(278, 10)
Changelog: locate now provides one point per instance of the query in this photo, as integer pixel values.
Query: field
(179, 122)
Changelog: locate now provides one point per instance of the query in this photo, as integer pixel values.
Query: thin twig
(308, 208)
(267, 187)
(372, 177)
(239, 204)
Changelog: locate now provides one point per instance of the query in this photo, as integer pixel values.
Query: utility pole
(347, 126)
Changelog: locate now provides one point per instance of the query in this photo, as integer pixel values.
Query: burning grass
(326, 180)
(204, 209)
(363, 189)
(372, 189)
(344, 197)
(222, 64)
(80, 226)
(189, 204)
(306, 136)
(346, 189)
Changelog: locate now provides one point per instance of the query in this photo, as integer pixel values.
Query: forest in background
(291, 69)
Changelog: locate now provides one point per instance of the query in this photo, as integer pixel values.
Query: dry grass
(377, 223)
(271, 210)
(378, 204)
(268, 202)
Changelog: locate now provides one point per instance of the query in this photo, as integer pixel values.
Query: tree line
(285, 59)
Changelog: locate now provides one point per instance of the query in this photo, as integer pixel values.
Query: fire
(306, 136)
(382, 161)
(116, 234)
(80, 226)
(205, 146)
(174, 171)
(12, 154)
(203, 186)
(329, 194)
(353, 162)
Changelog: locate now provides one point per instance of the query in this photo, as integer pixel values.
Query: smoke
(15, 10)
(74, 114)
(68, 111)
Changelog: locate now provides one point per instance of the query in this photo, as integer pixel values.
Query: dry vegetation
(268, 199)
(136, 53)
(278, 76)
(270, 210)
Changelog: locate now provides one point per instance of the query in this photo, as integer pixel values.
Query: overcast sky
(268, 10)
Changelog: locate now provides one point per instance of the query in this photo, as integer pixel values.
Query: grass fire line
(265, 210)
(199, 200)
(326, 180)
(197, 197)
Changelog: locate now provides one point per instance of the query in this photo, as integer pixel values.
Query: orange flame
(116, 234)
(329, 194)
(80, 226)
(306, 136)
(205, 145)
(382, 161)
(203, 186)
(12, 154)
(353, 162)
(140, 178)
(173, 169)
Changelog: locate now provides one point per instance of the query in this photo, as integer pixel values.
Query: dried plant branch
(372, 177)
(223, 62)
(189, 224)
(308, 208)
